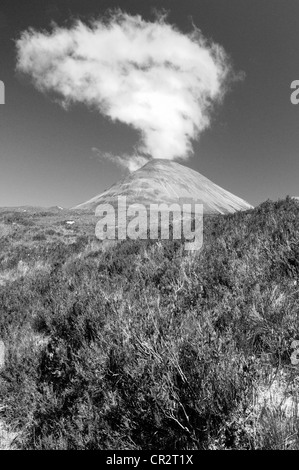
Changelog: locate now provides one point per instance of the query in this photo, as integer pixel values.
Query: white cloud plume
(129, 162)
(148, 75)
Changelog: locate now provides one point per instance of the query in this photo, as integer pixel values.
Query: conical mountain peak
(165, 181)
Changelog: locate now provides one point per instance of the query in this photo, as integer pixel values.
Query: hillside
(166, 181)
(145, 347)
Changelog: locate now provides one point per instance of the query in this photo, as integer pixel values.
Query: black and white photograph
(149, 227)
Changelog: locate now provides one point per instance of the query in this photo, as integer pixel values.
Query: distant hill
(166, 181)
(31, 209)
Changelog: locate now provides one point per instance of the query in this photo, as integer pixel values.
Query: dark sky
(251, 148)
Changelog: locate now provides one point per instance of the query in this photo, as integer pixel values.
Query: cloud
(129, 162)
(149, 75)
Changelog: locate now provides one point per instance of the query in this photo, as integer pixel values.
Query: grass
(144, 346)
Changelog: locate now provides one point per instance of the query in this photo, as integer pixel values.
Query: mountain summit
(166, 181)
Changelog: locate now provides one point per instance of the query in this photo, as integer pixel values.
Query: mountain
(166, 181)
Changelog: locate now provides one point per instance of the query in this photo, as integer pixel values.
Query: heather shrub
(146, 346)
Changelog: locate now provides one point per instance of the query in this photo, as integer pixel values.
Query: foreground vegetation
(144, 346)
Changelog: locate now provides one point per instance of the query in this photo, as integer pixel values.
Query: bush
(144, 346)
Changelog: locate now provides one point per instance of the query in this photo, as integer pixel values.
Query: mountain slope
(166, 181)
